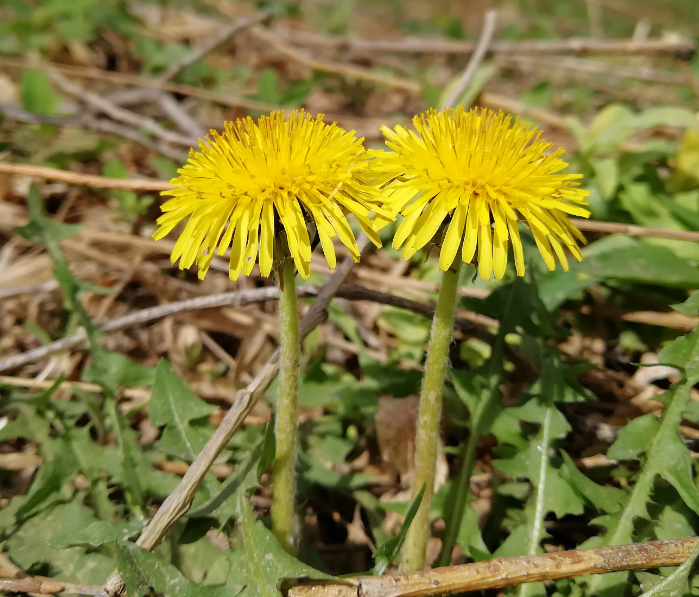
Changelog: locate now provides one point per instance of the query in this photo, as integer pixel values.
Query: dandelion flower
(259, 182)
(466, 179)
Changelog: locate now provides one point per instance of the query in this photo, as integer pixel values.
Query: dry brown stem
(490, 574)
(489, 22)
(128, 79)
(118, 113)
(45, 384)
(88, 180)
(507, 104)
(345, 70)
(672, 320)
(237, 298)
(45, 586)
(423, 45)
(225, 33)
(504, 572)
(102, 125)
(633, 230)
(596, 67)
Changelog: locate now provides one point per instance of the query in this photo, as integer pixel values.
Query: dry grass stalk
(504, 572)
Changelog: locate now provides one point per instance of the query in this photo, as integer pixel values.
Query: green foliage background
(80, 532)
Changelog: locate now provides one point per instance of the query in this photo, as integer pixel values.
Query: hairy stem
(427, 440)
(283, 500)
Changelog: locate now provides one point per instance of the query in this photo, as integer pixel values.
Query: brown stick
(45, 586)
(102, 125)
(118, 113)
(345, 70)
(421, 45)
(672, 319)
(127, 79)
(474, 62)
(514, 106)
(503, 572)
(491, 574)
(88, 180)
(633, 230)
(225, 33)
(595, 67)
(475, 328)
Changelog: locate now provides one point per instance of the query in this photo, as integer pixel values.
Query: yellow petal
(545, 249)
(516, 247)
(452, 240)
(499, 244)
(301, 230)
(471, 238)
(251, 252)
(267, 239)
(485, 252)
(339, 222)
(405, 228)
(326, 234)
(560, 253)
(239, 246)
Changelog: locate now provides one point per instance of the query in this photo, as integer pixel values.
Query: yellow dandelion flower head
(470, 176)
(283, 175)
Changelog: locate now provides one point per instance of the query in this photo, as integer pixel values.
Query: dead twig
(45, 586)
(224, 34)
(169, 105)
(17, 461)
(174, 110)
(31, 383)
(118, 113)
(128, 79)
(672, 320)
(9, 569)
(6, 254)
(507, 104)
(479, 52)
(88, 180)
(601, 68)
(345, 70)
(504, 572)
(218, 351)
(96, 124)
(238, 298)
(633, 230)
(422, 45)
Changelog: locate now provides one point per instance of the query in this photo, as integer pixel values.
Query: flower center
(289, 183)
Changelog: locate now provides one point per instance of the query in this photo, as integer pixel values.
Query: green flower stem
(283, 499)
(427, 439)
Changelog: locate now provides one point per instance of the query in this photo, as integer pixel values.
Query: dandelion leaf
(260, 563)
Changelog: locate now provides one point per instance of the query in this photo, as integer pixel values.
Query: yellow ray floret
(473, 175)
(259, 180)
